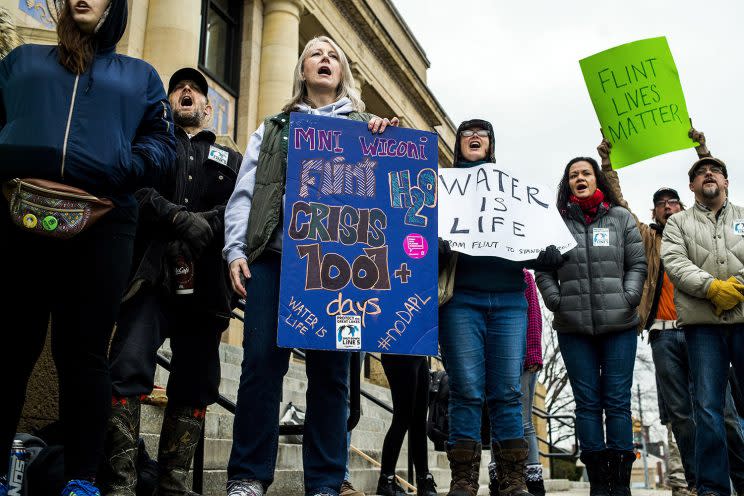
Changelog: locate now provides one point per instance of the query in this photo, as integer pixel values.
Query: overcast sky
(516, 64)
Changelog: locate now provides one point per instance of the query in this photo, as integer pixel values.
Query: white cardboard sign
(492, 210)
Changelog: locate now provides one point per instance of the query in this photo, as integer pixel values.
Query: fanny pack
(53, 209)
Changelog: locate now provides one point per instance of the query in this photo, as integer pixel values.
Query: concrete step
(290, 483)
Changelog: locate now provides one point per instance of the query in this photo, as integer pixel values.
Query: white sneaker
(244, 487)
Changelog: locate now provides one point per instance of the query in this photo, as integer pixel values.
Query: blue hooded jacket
(108, 130)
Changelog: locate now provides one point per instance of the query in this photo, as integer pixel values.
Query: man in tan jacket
(669, 351)
(703, 253)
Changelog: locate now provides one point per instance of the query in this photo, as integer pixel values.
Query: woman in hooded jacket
(483, 335)
(593, 298)
(323, 85)
(76, 113)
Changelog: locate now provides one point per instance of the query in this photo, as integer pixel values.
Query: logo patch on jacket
(738, 226)
(219, 156)
(601, 236)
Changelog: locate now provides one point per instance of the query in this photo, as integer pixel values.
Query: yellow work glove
(725, 295)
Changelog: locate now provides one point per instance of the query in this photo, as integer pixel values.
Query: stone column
(279, 50)
(172, 35)
(359, 78)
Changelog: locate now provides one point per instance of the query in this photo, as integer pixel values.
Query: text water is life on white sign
(490, 210)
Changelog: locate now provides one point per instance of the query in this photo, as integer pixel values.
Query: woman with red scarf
(593, 297)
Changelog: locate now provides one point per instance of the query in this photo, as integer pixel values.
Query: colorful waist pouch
(53, 209)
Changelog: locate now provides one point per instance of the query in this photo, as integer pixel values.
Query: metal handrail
(355, 392)
(197, 481)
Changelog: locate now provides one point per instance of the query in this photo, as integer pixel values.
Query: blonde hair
(346, 88)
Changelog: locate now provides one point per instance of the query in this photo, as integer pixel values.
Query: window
(219, 53)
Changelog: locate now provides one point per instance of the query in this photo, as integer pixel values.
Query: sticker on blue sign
(359, 256)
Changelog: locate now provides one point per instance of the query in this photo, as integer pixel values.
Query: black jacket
(599, 287)
(198, 184)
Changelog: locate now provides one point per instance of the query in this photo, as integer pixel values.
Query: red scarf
(590, 206)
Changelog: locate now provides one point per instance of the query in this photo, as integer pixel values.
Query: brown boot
(464, 458)
(510, 456)
(119, 472)
(182, 428)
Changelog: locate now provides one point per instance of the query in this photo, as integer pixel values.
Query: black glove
(213, 218)
(176, 249)
(194, 229)
(549, 259)
(444, 248)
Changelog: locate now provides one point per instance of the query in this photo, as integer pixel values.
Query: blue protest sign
(359, 257)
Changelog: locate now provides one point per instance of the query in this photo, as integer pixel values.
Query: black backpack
(437, 424)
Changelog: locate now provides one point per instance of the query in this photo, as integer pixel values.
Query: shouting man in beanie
(669, 350)
(703, 253)
(179, 290)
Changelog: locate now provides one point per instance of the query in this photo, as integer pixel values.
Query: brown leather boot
(182, 428)
(119, 471)
(510, 456)
(464, 458)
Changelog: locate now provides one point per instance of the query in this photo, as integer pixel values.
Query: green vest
(271, 174)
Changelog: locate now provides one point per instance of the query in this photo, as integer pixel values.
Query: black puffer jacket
(599, 287)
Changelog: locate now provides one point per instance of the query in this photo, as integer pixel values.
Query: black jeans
(145, 322)
(408, 377)
(78, 283)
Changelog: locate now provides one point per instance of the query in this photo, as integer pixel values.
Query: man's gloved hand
(549, 259)
(212, 218)
(194, 229)
(725, 295)
(444, 248)
(178, 248)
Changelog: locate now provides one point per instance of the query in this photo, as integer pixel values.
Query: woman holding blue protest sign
(323, 85)
(482, 333)
(593, 298)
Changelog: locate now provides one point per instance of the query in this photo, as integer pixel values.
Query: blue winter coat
(108, 130)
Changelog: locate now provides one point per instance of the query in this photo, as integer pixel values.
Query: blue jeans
(669, 351)
(711, 349)
(675, 392)
(256, 427)
(483, 339)
(600, 370)
(529, 380)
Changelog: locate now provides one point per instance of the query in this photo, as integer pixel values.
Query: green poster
(637, 94)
